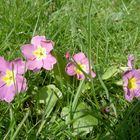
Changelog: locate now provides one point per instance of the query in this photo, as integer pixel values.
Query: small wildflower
(131, 84)
(38, 54)
(11, 79)
(79, 66)
(131, 81)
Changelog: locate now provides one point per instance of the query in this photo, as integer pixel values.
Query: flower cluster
(37, 55)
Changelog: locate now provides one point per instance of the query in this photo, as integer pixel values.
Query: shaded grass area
(107, 32)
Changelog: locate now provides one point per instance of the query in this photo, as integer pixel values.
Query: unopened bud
(67, 55)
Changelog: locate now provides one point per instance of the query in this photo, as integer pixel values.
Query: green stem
(20, 125)
(78, 93)
(89, 52)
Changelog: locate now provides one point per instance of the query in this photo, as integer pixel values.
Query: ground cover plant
(69, 69)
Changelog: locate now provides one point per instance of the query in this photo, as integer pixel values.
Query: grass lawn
(55, 105)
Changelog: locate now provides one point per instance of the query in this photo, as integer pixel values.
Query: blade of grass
(20, 125)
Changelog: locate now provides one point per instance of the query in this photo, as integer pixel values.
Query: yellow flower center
(40, 53)
(9, 78)
(79, 68)
(132, 84)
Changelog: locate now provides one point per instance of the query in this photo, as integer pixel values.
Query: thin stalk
(20, 125)
(89, 53)
(78, 93)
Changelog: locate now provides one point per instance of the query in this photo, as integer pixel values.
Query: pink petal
(80, 76)
(28, 50)
(1, 82)
(48, 45)
(36, 40)
(129, 95)
(19, 66)
(130, 62)
(35, 64)
(48, 62)
(78, 57)
(85, 61)
(4, 65)
(137, 92)
(70, 69)
(20, 83)
(2, 92)
(36, 70)
(137, 74)
(93, 74)
(7, 93)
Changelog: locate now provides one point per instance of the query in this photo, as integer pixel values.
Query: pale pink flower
(11, 79)
(38, 54)
(79, 66)
(131, 80)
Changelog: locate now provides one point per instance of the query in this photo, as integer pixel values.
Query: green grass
(106, 31)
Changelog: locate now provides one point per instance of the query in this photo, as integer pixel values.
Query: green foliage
(49, 95)
(82, 121)
(113, 70)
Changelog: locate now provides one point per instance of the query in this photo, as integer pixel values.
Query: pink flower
(131, 84)
(38, 54)
(79, 66)
(11, 79)
(131, 80)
